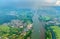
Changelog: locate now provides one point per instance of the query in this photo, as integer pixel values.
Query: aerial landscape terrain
(23, 19)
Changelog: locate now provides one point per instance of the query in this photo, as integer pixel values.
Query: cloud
(26, 3)
(58, 3)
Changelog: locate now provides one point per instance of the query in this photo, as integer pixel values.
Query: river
(38, 28)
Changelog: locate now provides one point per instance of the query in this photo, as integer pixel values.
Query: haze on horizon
(26, 3)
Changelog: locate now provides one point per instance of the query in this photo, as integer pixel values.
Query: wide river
(38, 28)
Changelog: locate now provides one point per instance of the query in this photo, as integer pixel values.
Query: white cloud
(57, 2)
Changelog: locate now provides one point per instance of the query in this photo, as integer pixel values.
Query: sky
(27, 3)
